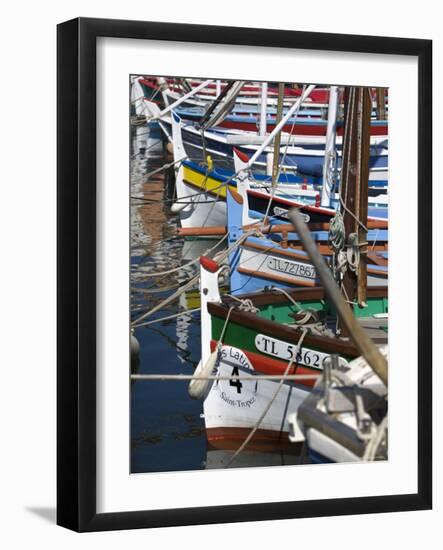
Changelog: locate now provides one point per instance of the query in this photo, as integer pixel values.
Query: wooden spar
(361, 340)
(215, 103)
(182, 99)
(279, 126)
(365, 100)
(263, 108)
(329, 164)
(381, 103)
(354, 186)
(185, 85)
(281, 92)
(277, 140)
(220, 230)
(215, 231)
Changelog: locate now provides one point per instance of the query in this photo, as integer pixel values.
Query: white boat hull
(233, 408)
(203, 209)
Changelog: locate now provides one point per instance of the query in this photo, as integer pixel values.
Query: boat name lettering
(286, 351)
(237, 402)
(297, 269)
(236, 355)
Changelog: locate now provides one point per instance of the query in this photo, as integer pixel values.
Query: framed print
(244, 274)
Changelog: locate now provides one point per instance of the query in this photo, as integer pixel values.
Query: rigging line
(167, 317)
(153, 290)
(134, 101)
(156, 201)
(192, 262)
(268, 406)
(216, 377)
(273, 187)
(155, 143)
(154, 95)
(191, 282)
(164, 167)
(169, 299)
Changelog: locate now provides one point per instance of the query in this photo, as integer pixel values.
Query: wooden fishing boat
(300, 158)
(259, 335)
(298, 126)
(201, 199)
(249, 94)
(344, 418)
(201, 193)
(277, 258)
(275, 331)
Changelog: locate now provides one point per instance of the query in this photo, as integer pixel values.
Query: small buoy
(198, 386)
(178, 207)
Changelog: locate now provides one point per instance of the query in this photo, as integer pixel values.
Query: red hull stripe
(269, 365)
(298, 129)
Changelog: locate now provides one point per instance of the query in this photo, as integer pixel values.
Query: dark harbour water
(167, 431)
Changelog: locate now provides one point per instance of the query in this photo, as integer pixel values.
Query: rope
(246, 304)
(336, 235)
(216, 377)
(153, 289)
(164, 167)
(317, 327)
(167, 318)
(192, 262)
(288, 296)
(192, 281)
(375, 441)
(167, 300)
(353, 253)
(268, 406)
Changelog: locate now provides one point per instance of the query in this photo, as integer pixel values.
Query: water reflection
(167, 428)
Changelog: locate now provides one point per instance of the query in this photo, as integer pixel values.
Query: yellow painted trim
(205, 182)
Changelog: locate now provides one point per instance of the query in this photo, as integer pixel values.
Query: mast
(329, 164)
(380, 94)
(354, 192)
(216, 103)
(291, 112)
(183, 98)
(281, 93)
(263, 108)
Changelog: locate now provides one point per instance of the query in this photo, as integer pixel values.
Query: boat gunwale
(288, 333)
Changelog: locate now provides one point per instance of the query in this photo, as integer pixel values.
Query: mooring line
(268, 406)
(283, 377)
(194, 279)
(167, 318)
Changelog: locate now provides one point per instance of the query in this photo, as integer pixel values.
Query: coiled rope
(336, 235)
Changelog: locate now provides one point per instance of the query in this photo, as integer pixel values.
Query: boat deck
(376, 328)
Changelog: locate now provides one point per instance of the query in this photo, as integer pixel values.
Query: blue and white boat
(270, 260)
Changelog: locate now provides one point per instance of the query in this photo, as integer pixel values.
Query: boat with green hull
(272, 333)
